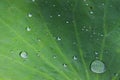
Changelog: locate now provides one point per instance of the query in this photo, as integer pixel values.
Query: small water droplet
(86, 29)
(64, 65)
(116, 74)
(91, 12)
(98, 66)
(54, 56)
(59, 39)
(103, 4)
(86, 4)
(28, 29)
(96, 53)
(51, 16)
(54, 5)
(33, 0)
(23, 54)
(94, 33)
(83, 29)
(67, 22)
(59, 15)
(75, 58)
(38, 55)
(29, 15)
(101, 35)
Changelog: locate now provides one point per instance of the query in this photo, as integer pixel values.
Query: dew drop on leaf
(67, 22)
(51, 16)
(54, 5)
(96, 53)
(54, 56)
(28, 29)
(59, 15)
(29, 15)
(33, 0)
(23, 54)
(75, 58)
(97, 66)
(59, 39)
(64, 65)
(91, 12)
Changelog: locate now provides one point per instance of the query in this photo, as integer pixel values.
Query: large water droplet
(23, 54)
(98, 66)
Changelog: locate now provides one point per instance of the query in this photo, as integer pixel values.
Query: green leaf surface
(61, 39)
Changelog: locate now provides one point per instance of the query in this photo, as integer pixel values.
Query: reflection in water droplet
(23, 54)
(28, 29)
(98, 66)
(64, 65)
(75, 58)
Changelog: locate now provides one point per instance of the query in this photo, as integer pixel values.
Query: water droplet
(86, 29)
(59, 39)
(23, 54)
(38, 55)
(101, 35)
(54, 5)
(51, 16)
(59, 15)
(98, 66)
(29, 15)
(103, 4)
(84, 0)
(64, 65)
(86, 4)
(116, 74)
(28, 29)
(94, 33)
(33, 0)
(67, 22)
(54, 56)
(75, 58)
(82, 29)
(96, 53)
(91, 12)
